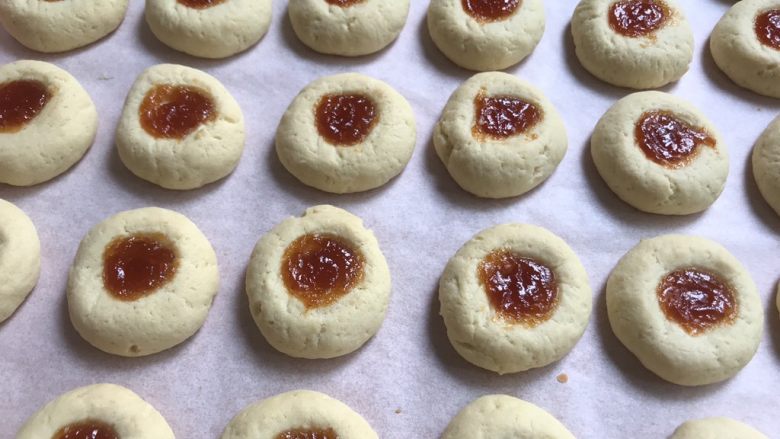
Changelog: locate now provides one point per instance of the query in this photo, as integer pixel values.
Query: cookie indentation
(137, 265)
(174, 111)
(696, 300)
(20, 102)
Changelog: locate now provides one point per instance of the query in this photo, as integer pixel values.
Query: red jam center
(520, 289)
(638, 18)
(88, 429)
(696, 300)
(768, 28)
(308, 433)
(345, 120)
(200, 4)
(499, 117)
(137, 265)
(669, 141)
(344, 3)
(174, 111)
(20, 102)
(490, 10)
(319, 269)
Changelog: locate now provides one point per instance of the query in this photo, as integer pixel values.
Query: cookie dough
(300, 413)
(209, 28)
(499, 136)
(318, 285)
(59, 26)
(633, 43)
(481, 35)
(503, 416)
(686, 308)
(746, 45)
(766, 164)
(111, 408)
(514, 297)
(346, 133)
(716, 428)
(47, 122)
(20, 258)
(180, 128)
(348, 27)
(659, 154)
(142, 282)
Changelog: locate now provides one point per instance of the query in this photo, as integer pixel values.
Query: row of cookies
(181, 129)
(513, 298)
(109, 411)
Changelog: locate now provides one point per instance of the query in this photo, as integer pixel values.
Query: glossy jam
(499, 117)
(319, 269)
(669, 141)
(490, 10)
(200, 4)
(345, 120)
(137, 265)
(89, 429)
(20, 102)
(696, 300)
(520, 289)
(308, 433)
(174, 111)
(638, 18)
(344, 3)
(768, 28)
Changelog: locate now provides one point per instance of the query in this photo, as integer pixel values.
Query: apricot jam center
(768, 28)
(319, 269)
(344, 3)
(200, 4)
(345, 120)
(308, 433)
(20, 102)
(696, 300)
(88, 429)
(638, 18)
(669, 141)
(174, 111)
(499, 117)
(135, 266)
(521, 290)
(490, 10)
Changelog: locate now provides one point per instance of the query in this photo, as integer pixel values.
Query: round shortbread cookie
(318, 285)
(142, 282)
(109, 408)
(167, 139)
(499, 136)
(348, 27)
(513, 298)
(346, 133)
(679, 168)
(716, 428)
(633, 43)
(50, 138)
(746, 45)
(209, 28)
(667, 305)
(503, 416)
(20, 258)
(59, 26)
(300, 413)
(766, 164)
(478, 35)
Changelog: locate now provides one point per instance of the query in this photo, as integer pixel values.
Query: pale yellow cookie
(20, 258)
(716, 428)
(766, 164)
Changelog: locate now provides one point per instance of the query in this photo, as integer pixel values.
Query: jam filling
(500, 117)
(308, 433)
(668, 140)
(345, 119)
(174, 111)
(319, 269)
(89, 429)
(200, 4)
(344, 3)
(696, 300)
(522, 290)
(490, 10)
(768, 28)
(638, 18)
(137, 265)
(20, 102)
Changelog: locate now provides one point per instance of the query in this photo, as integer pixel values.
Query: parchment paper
(407, 382)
